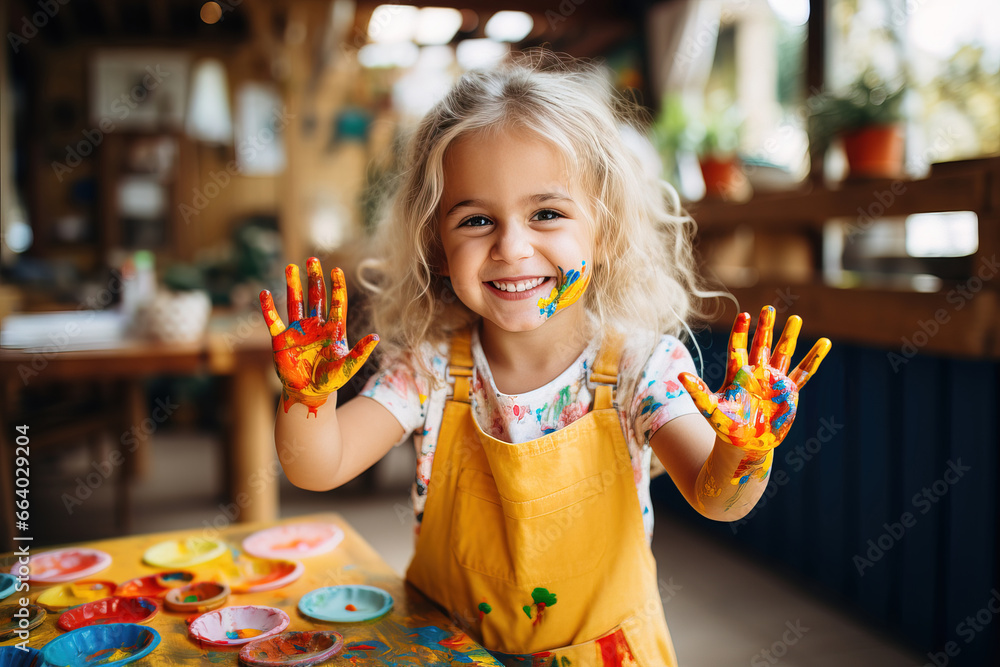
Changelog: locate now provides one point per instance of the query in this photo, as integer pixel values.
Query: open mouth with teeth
(521, 288)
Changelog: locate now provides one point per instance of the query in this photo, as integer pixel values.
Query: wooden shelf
(960, 186)
(893, 320)
(961, 319)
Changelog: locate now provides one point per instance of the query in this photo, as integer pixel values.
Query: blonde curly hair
(643, 276)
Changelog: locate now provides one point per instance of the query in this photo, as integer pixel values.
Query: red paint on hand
(311, 355)
(757, 403)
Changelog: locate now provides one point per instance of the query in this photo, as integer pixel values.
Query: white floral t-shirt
(649, 395)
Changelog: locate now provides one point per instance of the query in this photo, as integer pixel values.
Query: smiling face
(517, 245)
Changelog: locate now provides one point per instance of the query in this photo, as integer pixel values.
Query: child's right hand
(311, 355)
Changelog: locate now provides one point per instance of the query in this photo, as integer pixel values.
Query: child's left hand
(757, 402)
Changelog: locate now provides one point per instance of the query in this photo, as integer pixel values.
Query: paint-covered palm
(311, 355)
(757, 402)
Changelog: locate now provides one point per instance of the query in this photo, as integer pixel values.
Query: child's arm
(721, 466)
(312, 360)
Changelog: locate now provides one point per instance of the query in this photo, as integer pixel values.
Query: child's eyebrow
(539, 198)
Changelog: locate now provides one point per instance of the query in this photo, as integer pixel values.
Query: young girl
(532, 282)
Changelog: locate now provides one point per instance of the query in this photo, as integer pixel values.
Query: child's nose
(512, 244)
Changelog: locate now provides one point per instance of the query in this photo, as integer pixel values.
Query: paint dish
(154, 585)
(231, 626)
(346, 604)
(294, 541)
(141, 587)
(56, 567)
(109, 610)
(8, 584)
(292, 648)
(79, 592)
(174, 578)
(12, 656)
(105, 645)
(253, 575)
(183, 553)
(200, 597)
(9, 623)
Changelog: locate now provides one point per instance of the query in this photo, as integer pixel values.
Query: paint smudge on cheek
(570, 286)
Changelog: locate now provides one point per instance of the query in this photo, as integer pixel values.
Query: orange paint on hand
(757, 403)
(311, 356)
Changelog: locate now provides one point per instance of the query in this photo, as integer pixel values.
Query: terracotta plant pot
(724, 178)
(875, 152)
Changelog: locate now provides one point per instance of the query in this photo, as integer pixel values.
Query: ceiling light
(437, 25)
(392, 23)
(508, 26)
(396, 54)
(480, 53)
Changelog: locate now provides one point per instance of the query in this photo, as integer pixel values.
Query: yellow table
(415, 631)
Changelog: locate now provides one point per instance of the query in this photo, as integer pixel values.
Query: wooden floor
(723, 610)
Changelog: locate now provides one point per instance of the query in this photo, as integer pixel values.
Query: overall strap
(604, 372)
(460, 364)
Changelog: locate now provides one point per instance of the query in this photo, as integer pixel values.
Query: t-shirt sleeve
(659, 395)
(403, 392)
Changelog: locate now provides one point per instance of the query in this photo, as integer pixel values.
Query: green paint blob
(485, 608)
(527, 610)
(542, 596)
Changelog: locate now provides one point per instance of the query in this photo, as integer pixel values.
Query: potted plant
(867, 117)
(180, 310)
(718, 133)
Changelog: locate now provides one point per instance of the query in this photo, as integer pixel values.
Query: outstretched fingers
(785, 348)
(807, 367)
(274, 324)
(363, 348)
(737, 347)
(760, 350)
(338, 303)
(294, 291)
(317, 290)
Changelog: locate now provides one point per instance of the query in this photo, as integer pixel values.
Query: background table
(415, 631)
(239, 350)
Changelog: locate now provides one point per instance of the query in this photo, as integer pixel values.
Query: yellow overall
(538, 548)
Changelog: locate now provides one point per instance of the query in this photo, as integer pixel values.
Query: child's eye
(547, 214)
(476, 221)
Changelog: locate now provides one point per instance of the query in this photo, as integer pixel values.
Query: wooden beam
(874, 199)
(816, 72)
(952, 322)
(160, 16)
(110, 16)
